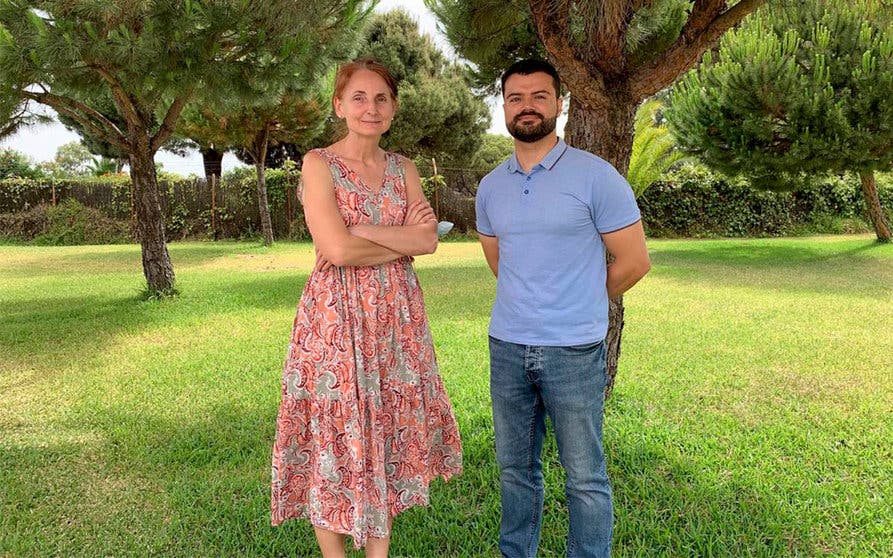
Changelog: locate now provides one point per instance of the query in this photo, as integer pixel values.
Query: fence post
(436, 184)
(288, 207)
(132, 207)
(214, 206)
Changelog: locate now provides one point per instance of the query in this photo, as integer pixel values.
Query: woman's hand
(322, 264)
(419, 212)
(417, 235)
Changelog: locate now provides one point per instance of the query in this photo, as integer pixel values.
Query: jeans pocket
(585, 348)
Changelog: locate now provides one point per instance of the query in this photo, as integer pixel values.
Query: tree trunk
(263, 206)
(608, 134)
(213, 162)
(157, 265)
(873, 206)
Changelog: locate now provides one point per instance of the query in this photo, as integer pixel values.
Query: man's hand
(631, 261)
(490, 245)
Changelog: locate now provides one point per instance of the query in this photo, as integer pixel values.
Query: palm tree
(654, 147)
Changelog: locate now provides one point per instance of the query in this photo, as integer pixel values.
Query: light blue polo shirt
(551, 286)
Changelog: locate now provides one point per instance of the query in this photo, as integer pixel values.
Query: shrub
(23, 226)
(692, 201)
(285, 205)
(69, 223)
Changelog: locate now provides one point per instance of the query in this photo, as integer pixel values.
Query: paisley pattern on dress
(365, 423)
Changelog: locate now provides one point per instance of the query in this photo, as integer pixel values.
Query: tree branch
(9, 128)
(663, 68)
(16, 119)
(93, 120)
(607, 28)
(552, 29)
(122, 100)
(702, 13)
(170, 120)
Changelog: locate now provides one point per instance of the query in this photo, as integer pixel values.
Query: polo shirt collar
(547, 163)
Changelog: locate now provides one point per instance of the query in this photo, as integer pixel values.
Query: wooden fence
(228, 209)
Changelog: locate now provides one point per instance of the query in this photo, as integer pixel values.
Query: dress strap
(329, 157)
(337, 164)
(395, 166)
(338, 169)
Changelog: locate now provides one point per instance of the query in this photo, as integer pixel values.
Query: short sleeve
(613, 202)
(480, 209)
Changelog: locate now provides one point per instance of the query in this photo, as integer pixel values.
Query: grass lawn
(753, 414)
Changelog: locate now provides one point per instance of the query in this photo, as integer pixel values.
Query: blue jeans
(568, 384)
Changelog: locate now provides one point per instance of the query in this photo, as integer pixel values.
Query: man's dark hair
(532, 66)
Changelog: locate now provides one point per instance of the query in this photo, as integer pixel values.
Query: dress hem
(360, 542)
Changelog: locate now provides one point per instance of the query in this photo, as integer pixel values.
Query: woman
(365, 423)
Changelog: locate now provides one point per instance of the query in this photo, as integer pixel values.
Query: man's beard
(530, 134)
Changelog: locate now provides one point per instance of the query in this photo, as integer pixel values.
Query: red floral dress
(365, 422)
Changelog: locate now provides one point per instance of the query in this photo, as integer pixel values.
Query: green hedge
(288, 218)
(690, 202)
(185, 203)
(694, 202)
(111, 194)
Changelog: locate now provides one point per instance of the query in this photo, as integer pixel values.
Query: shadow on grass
(862, 269)
(119, 258)
(664, 506)
(214, 473)
(66, 328)
(745, 253)
(54, 325)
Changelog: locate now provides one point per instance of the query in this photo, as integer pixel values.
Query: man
(545, 218)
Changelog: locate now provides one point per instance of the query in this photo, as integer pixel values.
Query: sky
(39, 143)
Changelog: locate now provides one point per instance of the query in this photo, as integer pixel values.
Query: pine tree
(102, 102)
(296, 116)
(150, 58)
(438, 116)
(611, 55)
(802, 90)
